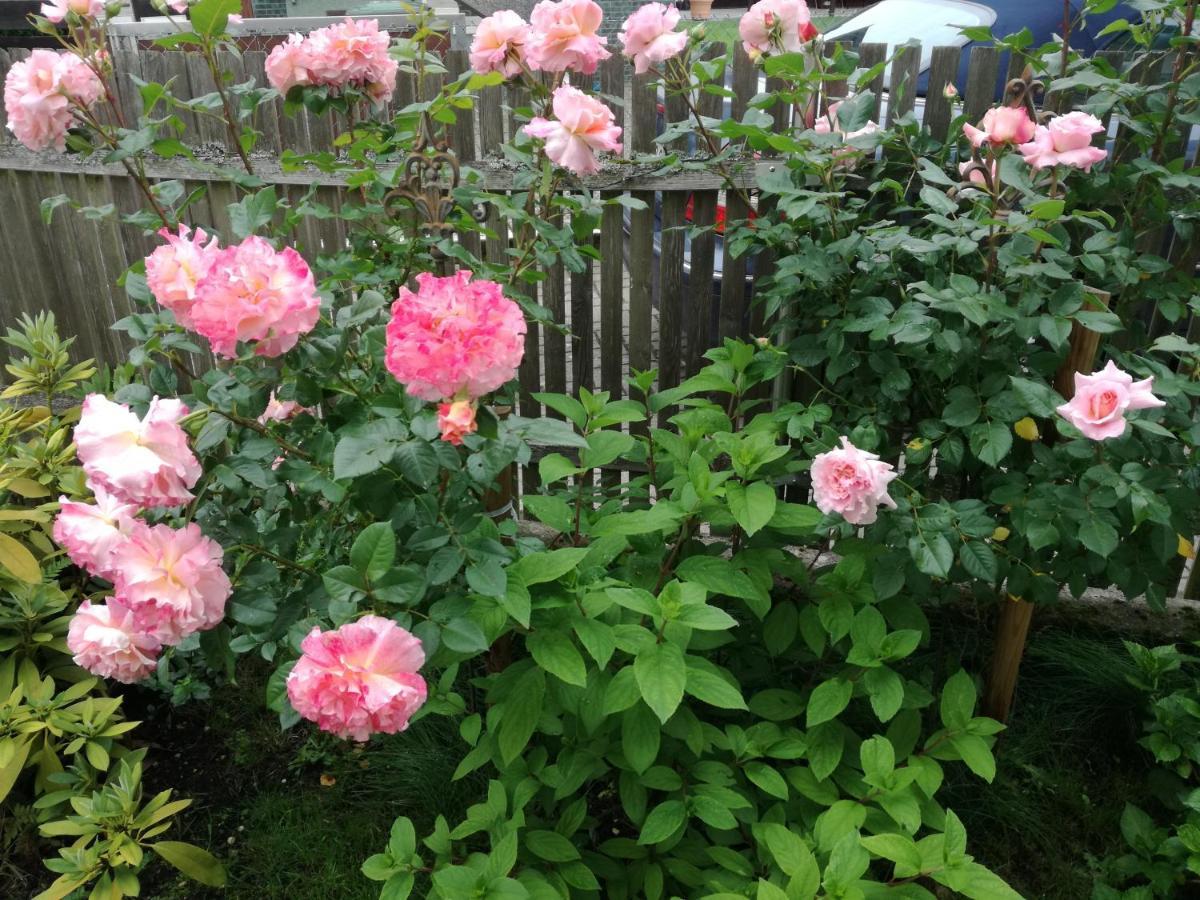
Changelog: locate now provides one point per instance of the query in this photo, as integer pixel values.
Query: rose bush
(682, 684)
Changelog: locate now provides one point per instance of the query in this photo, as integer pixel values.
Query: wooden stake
(1012, 625)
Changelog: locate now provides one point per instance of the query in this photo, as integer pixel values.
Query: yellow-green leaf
(192, 861)
(18, 560)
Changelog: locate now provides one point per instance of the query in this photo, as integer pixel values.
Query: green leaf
(537, 568)
(210, 17)
(552, 511)
(1098, 536)
(899, 848)
(878, 757)
(12, 768)
(374, 550)
(554, 466)
(662, 516)
(979, 883)
(488, 578)
(976, 754)
(709, 687)
(958, 701)
(522, 709)
(661, 677)
(663, 821)
(417, 461)
(555, 652)
(932, 553)
(990, 442)
(22, 564)
(885, 690)
(641, 736)
(979, 560)
(793, 856)
(767, 779)
(194, 862)
(828, 700)
(550, 846)
(752, 505)
(720, 576)
(1039, 399)
(254, 212)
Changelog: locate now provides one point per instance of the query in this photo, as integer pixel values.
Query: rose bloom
(1065, 141)
(56, 10)
(1001, 125)
(253, 293)
(89, 532)
(456, 420)
(564, 37)
(851, 482)
(174, 270)
(649, 36)
(776, 26)
(172, 580)
(454, 338)
(142, 461)
(38, 95)
(360, 679)
(287, 64)
(106, 641)
(499, 44)
(581, 126)
(1101, 400)
(353, 53)
(281, 410)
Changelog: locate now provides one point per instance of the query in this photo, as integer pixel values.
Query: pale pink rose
(106, 641)
(39, 94)
(975, 175)
(1001, 125)
(360, 679)
(1102, 399)
(1065, 141)
(281, 410)
(454, 338)
(179, 6)
(254, 294)
(649, 36)
(581, 126)
(776, 26)
(235, 19)
(456, 420)
(172, 580)
(287, 64)
(174, 270)
(851, 482)
(56, 10)
(499, 44)
(142, 461)
(564, 37)
(89, 532)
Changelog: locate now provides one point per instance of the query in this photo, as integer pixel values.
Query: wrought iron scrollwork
(427, 181)
(1022, 92)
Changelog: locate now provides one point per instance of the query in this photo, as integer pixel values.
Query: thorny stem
(230, 119)
(276, 558)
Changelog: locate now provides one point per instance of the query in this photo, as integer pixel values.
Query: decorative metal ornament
(427, 181)
(1022, 92)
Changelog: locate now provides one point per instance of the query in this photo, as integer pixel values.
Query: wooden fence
(638, 306)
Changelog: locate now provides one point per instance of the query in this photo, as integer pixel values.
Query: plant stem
(230, 119)
(258, 427)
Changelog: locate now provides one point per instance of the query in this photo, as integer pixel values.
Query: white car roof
(935, 23)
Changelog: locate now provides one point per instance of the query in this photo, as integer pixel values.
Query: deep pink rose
(106, 641)
(172, 580)
(142, 461)
(1102, 399)
(1065, 141)
(851, 482)
(255, 294)
(649, 36)
(581, 126)
(360, 679)
(89, 532)
(499, 44)
(563, 37)
(174, 270)
(776, 26)
(454, 338)
(40, 93)
(456, 420)
(1001, 125)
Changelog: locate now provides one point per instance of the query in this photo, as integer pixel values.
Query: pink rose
(254, 294)
(281, 410)
(178, 6)
(106, 641)
(360, 679)
(564, 37)
(581, 126)
(287, 64)
(851, 482)
(975, 174)
(56, 10)
(454, 338)
(41, 93)
(353, 53)
(829, 124)
(776, 26)
(649, 36)
(456, 420)
(1101, 400)
(1001, 125)
(90, 532)
(174, 270)
(499, 44)
(142, 461)
(172, 580)
(1065, 141)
